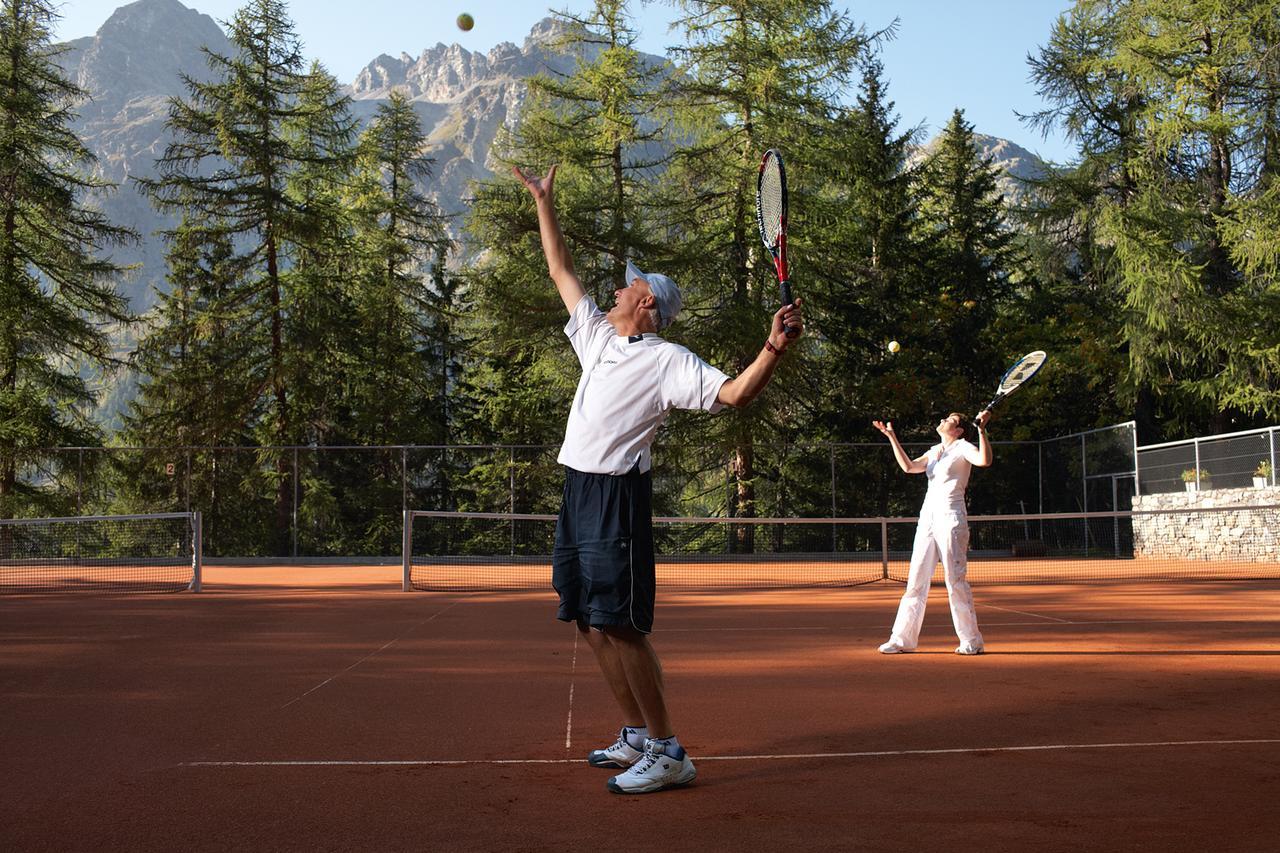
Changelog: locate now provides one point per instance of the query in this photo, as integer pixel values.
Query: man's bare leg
(643, 672)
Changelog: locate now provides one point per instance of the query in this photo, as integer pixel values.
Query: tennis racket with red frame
(1013, 379)
(771, 214)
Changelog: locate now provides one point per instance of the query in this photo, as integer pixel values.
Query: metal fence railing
(494, 551)
(1231, 461)
(316, 501)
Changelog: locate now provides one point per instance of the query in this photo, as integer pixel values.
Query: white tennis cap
(664, 290)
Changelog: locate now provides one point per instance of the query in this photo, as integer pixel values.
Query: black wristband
(768, 344)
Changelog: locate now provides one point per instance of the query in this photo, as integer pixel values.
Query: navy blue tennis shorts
(603, 566)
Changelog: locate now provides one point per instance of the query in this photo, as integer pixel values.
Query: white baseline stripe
(780, 757)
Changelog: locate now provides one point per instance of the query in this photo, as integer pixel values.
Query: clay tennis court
(321, 708)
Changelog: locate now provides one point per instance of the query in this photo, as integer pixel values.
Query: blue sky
(948, 54)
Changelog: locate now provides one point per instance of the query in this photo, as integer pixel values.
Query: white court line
(790, 628)
(797, 756)
(366, 657)
(1152, 622)
(1043, 624)
(573, 669)
(1025, 613)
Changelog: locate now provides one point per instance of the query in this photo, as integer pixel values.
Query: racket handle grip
(785, 287)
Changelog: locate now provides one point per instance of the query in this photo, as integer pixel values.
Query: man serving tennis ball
(603, 562)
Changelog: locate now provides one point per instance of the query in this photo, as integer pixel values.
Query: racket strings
(770, 204)
(1022, 371)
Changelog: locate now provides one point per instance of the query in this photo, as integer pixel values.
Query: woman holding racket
(943, 531)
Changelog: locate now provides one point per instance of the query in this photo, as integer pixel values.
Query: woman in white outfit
(943, 532)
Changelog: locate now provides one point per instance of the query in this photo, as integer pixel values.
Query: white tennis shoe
(655, 771)
(969, 650)
(620, 755)
(894, 648)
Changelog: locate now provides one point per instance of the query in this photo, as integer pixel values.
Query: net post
(405, 545)
(1137, 480)
(197, 551)
(1271, 434)
(884, 549)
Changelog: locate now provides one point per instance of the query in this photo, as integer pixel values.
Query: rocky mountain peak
(463, 98)
(140, 51)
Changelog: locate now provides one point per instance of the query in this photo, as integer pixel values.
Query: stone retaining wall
(1210, 529)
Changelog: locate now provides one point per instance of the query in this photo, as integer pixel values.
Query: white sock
(635, 736)
(670, 746)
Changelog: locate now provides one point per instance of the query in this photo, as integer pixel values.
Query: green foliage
(756, 75)
(1197, 475)
(1172, 203)
(302, 309)
(602, 124)
(397, 379)
(312, 299)
(58, 298)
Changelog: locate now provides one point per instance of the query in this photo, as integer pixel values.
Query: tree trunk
(284, 515)
(742, 497)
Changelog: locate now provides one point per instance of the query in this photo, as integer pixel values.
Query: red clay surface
(110, 704)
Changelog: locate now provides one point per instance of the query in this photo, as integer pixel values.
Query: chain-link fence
(349, 501)
(1236, 460)
(1089, 471)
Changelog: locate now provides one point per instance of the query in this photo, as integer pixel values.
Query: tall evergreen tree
(321, 138)
(192, 396)
(756, 74)
(57, 290)
(872, 289)
(1175, 102)
(399, 236)
(869, 208)
(972, 264)
(238, 139)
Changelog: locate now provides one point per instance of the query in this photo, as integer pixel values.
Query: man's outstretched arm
(747, 385)
(559, 263)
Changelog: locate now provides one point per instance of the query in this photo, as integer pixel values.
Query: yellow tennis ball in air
(893, 346)
(466, 22)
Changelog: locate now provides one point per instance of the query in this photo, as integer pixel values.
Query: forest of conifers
(314, 298)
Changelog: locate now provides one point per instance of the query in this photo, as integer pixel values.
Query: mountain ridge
(136, 62)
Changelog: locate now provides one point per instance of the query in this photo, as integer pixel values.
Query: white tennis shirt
(948, 471)
(628, 387)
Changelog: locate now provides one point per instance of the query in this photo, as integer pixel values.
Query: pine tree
(321, 138)
(1175, 102)
(871, 290)
(864, 295)
(262, 121)
(755, 75)
(972, 264)
(192, 397)
(400, 235)
(57, 293)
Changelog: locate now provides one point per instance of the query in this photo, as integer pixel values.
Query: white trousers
(941, 535)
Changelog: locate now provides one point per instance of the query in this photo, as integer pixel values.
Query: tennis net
(157, 552)
(510, 551)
